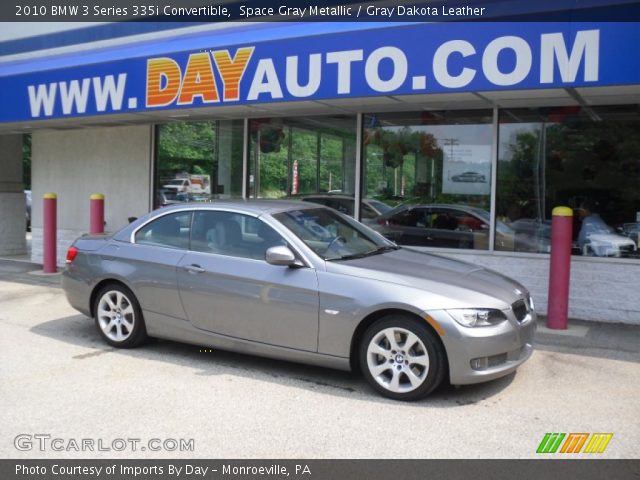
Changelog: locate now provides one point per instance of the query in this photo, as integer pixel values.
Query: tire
(118, 317)
(401, 358)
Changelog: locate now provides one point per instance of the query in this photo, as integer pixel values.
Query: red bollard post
(559, 270)
(49, 232)
(96, 214)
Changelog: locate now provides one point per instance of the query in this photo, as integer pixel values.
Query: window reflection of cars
(370, 208)
(596, 238)
(471, 177)
(162, 200)
(599, 239)
(178, 185)
(602, 241)
(631, 230)
(532, 235)
(171, 197)
(447, 226)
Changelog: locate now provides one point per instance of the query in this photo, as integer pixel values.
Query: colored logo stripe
(598, 442)
(574, 442)
(550, 443)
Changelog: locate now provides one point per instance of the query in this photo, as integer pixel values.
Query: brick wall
(65, 239)
(606, 290)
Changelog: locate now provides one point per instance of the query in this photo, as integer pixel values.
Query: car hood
(610, 238)
(468, 284)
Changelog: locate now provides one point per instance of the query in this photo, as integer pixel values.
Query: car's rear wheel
(401, 358)
(118, 317)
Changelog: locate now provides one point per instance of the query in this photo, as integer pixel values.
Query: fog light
(480, 363)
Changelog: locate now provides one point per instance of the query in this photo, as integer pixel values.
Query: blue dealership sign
(394, 60)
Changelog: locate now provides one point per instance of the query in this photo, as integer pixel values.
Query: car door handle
(194, 268)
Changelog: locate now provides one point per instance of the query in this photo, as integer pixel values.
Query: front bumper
(480, 354)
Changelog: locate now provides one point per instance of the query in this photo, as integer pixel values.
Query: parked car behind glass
(596, 238)
(442, 225)
(370, 208)
(178, 185)
(603, 241)
(631, 230)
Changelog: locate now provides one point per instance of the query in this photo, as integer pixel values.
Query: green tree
(186, 147)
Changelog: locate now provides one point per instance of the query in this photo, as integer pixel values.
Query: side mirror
(280, 255)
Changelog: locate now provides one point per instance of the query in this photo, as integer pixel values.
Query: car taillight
(383, 221)
(71, 254)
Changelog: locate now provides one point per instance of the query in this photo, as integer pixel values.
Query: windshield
(175, 182)
(381, 207)
(331, 235)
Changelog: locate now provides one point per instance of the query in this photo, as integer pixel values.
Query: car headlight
(477, 317)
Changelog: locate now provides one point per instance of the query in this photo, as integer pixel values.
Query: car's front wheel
(402, 358)
(118, 317)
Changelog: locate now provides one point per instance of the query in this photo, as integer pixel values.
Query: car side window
(345, 206)
(408, 218)
(232, 234)
(443, 219)
(170, 230)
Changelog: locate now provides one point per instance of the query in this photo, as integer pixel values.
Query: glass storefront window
(587, 158)
(426, 176)
(198, 161)
(307, 158)
(434, 168)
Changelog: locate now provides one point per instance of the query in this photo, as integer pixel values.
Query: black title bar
(114, 469)
(320, 10)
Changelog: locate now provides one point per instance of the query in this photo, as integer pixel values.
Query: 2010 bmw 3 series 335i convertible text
(301, 282)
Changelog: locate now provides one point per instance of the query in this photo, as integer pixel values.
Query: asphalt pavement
(58, 379)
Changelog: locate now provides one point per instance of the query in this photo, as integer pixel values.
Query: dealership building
(478, 129)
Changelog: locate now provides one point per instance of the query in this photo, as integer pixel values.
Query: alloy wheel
(116, 315)
(398, 360)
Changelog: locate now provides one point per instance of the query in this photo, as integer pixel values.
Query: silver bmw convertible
(301, 282)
